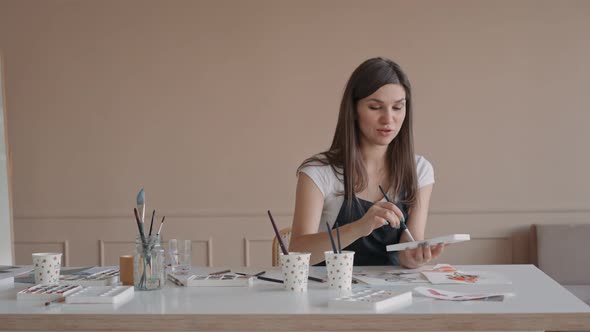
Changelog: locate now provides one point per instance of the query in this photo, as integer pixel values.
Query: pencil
(250, 274)
(263, 272)
(175, 280)
(262, 278)
(316, 279)
(270, 279)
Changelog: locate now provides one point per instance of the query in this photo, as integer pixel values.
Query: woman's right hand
(378, 215)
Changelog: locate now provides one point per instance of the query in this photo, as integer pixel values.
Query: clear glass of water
(180, 256)
(148, 264)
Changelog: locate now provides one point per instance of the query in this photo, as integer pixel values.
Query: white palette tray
(102, 294)
(371, 299)
(220, 280)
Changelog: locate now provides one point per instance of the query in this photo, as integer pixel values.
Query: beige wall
(211, 106)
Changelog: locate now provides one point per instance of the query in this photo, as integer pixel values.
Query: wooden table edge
(295, 322)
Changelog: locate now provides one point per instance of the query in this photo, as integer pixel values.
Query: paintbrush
(141, 204)
(402, 221)
(152, 223)
(58, 300)
(331, 238)
(140, 227)
(161, 224)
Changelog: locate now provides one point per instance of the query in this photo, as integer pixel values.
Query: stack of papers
(439, 274)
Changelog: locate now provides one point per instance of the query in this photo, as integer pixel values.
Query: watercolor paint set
(47, 292)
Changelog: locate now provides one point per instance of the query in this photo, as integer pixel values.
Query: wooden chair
(286, 236)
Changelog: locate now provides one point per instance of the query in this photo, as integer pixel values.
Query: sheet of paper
(438, 274)
(471, 277)
(398, 276)
(440, 294)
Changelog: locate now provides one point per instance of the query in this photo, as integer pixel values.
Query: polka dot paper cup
(295, 268)
(47, 266)
(339, 268)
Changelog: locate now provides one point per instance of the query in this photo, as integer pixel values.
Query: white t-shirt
(332, 186)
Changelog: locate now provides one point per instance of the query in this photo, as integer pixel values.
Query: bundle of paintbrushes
(147, 243)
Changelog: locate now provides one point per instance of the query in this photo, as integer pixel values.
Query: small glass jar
(148, 264)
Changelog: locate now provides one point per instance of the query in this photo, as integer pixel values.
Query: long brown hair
(344, 155)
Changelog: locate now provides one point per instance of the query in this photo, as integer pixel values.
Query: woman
(372, 147)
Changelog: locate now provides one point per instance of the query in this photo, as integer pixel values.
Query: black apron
(370, 250)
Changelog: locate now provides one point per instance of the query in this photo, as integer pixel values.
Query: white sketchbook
(447, 239)
(371, 299)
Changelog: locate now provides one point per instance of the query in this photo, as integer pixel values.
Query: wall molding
(78, 215)
(247, 248)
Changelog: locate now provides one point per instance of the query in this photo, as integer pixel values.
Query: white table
(539, 304)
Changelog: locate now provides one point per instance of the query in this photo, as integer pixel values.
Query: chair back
(560, 251)
(285, 234)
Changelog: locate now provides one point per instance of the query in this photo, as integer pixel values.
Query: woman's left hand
(422, 255)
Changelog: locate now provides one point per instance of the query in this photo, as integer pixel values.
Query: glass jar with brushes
(148, 263)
